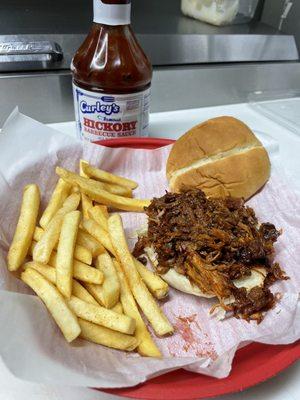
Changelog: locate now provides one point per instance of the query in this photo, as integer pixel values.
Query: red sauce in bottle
(111, 77)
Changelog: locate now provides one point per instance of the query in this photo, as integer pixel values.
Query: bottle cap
(112, 12)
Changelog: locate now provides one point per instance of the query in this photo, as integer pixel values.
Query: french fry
(31, 248)
(103, 197)
(147, 346)
(153, 313)
(99, 216)
(101, 316)
(25, 227)
(105, 176)
(118, 308)
(110, 287)
(81, 171)
(37, 234)
(48, 272)
(104, 210)
(81, 253)
(86, 204)
(106, 337)
(79, 291)
(95, 291)
(75, 189)
(157, 286)
(98, 233)
(81, 271)
(54, 301)
(65, 252)
(88, 241)
(59, 195)
(77, 180)
(49, 239)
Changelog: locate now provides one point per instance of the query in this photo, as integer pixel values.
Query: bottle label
(102, 116)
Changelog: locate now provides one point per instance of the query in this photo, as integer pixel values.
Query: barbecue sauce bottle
(111, 77)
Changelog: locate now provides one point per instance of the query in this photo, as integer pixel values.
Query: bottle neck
(112, 12)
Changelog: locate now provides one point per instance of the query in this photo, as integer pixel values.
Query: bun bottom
(182, 283)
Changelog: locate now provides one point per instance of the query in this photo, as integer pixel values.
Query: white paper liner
(32, 346)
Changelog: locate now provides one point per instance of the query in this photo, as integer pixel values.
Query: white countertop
(285, 386)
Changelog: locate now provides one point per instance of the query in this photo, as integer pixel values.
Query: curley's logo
(107, 109)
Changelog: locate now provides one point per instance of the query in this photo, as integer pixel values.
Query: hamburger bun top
(221, 156)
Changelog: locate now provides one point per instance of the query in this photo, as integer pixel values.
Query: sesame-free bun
(221, 156)
(183, 284)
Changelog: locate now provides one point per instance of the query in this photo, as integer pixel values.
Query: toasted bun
(221, 156)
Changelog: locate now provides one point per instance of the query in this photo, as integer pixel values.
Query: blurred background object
(195, 64)
(220, 12)
(285, 15)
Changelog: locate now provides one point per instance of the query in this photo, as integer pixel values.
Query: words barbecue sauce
(111, 77)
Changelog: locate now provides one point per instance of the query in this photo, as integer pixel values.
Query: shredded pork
(214, 241)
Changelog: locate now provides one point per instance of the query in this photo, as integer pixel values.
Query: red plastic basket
(252, 364)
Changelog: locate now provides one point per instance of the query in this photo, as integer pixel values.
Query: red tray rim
(145, 143)
(279, 357)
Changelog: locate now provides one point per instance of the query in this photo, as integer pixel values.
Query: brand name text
(107, 109)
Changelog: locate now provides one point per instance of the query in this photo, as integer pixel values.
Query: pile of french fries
(78, 262)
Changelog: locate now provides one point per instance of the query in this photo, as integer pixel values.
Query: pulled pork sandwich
(213, 247)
